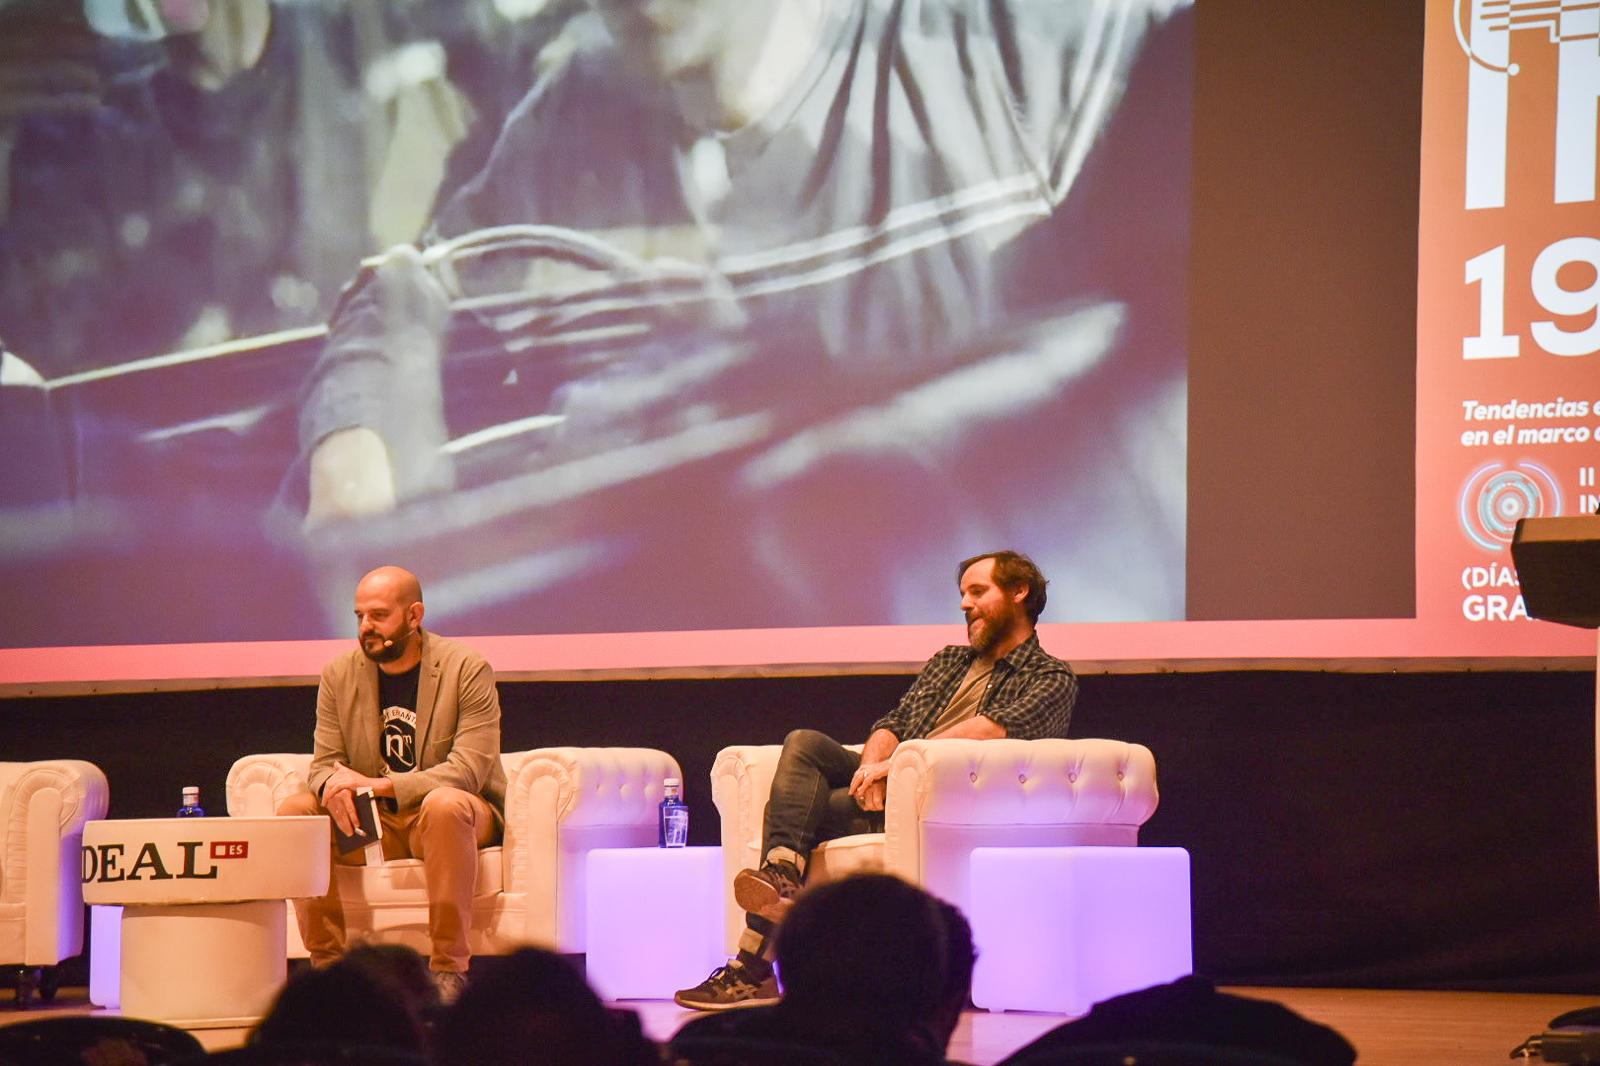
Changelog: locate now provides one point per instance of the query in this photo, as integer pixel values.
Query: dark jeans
(810, 802)
(810, 799)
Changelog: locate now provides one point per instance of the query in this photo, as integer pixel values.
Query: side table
(202, 930)
(654, 920)
(1059, 929)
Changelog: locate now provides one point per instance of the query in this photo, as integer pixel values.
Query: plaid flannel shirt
(1030, 693)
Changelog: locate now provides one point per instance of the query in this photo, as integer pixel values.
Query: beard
(985, 632)
(378, 652)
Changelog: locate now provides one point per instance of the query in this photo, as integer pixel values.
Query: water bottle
(191, 803)
(674, 815)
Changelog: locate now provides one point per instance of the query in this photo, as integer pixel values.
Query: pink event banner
(1508, 375)
(1091, 647)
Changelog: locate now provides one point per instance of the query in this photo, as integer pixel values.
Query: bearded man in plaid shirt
(999, 684)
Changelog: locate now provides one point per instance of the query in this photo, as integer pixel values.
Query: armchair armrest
(257, 784)
(560, 804)
(741, 780)
(45, 806)
(975, 782)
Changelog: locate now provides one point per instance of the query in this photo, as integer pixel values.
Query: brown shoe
(730, 987)
(768, 891)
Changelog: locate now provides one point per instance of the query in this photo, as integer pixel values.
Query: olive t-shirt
(967, 699)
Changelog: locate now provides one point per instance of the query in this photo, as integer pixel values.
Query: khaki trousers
(445, 832)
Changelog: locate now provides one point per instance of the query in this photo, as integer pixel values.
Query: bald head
(389, 616)
(392, 582)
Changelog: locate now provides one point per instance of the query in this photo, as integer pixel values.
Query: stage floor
(1388, 1028)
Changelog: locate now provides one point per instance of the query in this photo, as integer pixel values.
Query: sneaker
(730, 987)
(450, 985)
(767, 891)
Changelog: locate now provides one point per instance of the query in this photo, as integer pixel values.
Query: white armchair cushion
(43, 807)
(858, 853)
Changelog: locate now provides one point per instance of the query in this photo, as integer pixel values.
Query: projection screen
(707, 335)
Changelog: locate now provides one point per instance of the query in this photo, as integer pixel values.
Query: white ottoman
(654, 920)
(202, 929)
(1059, 929)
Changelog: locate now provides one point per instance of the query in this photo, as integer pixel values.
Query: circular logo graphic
(1498, 494)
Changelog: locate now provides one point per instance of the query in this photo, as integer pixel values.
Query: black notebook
(366, 819)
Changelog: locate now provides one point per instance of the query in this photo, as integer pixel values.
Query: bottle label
(675, 826)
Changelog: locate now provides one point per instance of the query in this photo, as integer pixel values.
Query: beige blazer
(458, 724)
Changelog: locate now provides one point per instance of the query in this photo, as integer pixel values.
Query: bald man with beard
(416, 718)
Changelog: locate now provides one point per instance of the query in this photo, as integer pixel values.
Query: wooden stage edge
(1387, 1027)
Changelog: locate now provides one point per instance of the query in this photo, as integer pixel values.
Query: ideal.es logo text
(109, 862)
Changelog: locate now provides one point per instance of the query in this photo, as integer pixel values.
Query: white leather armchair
(947, 797)
(43, 806)
(561, 803)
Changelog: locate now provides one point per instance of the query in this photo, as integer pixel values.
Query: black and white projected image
(603, 315)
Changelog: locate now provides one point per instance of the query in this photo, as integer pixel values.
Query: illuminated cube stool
(654, 920)
(1059, 929)
(202, 932)
(105, 956)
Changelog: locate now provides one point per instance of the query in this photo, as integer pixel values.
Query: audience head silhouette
(534, 1007)
(402, 968)
(875, 956)
(345, 1004)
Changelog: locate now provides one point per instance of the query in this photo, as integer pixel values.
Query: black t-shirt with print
(397, 710)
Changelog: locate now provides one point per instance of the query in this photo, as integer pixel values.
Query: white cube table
(202, 928)
(1059, 929)
(654, 920)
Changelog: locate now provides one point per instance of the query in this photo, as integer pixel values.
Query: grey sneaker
(450, 985)
(728, 988)
(767, 891)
